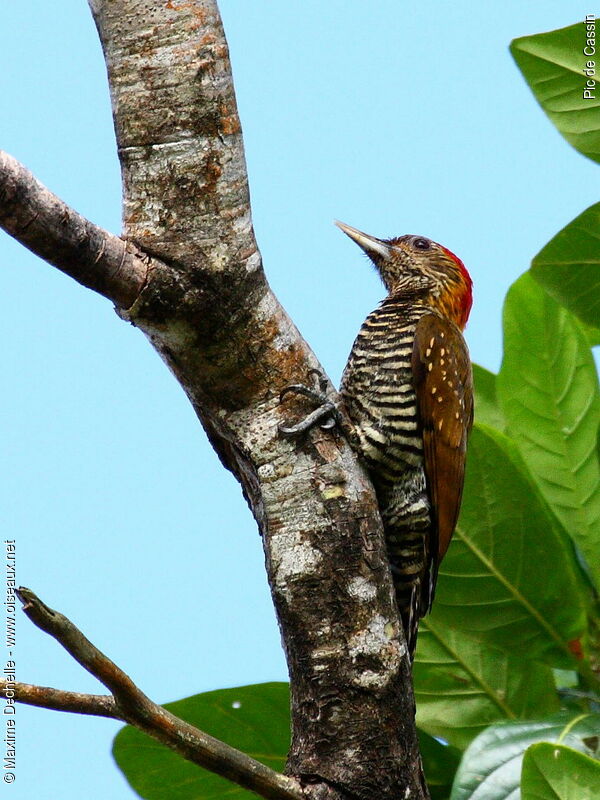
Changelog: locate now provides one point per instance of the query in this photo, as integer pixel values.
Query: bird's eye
(421, 244)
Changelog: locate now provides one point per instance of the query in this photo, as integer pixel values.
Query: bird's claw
(326, 415)
(316, 393)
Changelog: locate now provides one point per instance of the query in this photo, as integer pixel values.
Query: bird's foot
(326, 415)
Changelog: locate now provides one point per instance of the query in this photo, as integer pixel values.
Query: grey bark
(46, 225)
(206, 307)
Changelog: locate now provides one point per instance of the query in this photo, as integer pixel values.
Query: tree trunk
(207, 308)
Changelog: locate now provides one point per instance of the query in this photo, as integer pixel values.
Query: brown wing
(444, 388)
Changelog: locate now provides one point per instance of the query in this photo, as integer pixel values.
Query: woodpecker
(408, 390)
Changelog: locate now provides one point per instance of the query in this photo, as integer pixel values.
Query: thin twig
(97, 705)
(132, 705)
(52, 230)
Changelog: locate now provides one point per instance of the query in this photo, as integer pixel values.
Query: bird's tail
(410, 606)
(406, 516)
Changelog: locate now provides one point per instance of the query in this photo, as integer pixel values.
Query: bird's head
(419, 269)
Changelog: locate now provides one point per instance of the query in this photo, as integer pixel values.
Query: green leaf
(462, 686)
(552, 64)
(568, 267)
(591, 334)
(565, 678)
(487, 409)
(491, 766)
(254, 719)
(440, 763)
(507, 572)
(548, 391)
(555, 772)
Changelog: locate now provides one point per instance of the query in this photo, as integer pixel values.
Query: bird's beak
(374, 248)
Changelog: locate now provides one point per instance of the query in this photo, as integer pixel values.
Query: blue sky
(395, 118)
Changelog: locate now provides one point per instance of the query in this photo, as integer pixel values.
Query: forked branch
(130, 704)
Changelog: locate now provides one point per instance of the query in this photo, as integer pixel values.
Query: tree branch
(96, 705)
(48, 227)
(130, 704)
